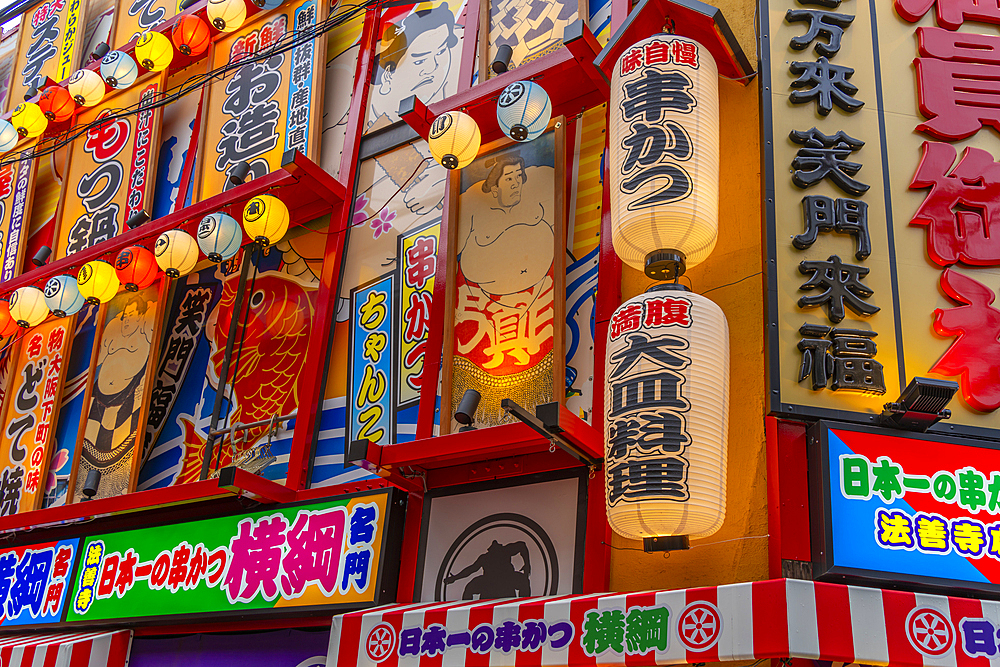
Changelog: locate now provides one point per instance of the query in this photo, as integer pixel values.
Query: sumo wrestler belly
(506, 258)
(126, 357)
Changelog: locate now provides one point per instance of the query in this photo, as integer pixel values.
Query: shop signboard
(911, 507)
(35, 582)
(48, 45)
(17, 182)
(339, 553)
(880, 149)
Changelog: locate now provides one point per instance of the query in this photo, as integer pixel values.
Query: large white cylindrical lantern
(666, 403)
(62, 296)
(664, 153)
(27, 306)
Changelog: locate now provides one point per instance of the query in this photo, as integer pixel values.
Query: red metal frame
(787, 494)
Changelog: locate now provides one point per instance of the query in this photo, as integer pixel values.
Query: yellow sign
(48, 45)
(136, 16)
(110, 171)
(266, 107)
(883, 259)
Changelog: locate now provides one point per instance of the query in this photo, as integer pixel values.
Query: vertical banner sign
(35, 582)
(16, 183)
(250, 109)
(137, 16)
(31, 414)
(109, 169)
(47, 46)
(881, 164)
(371, 368)
(417, 264)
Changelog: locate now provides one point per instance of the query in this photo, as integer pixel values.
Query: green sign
(324, 554)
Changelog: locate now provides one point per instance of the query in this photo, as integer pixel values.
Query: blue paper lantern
(62, 296)
(219, 236)
(523, 110)
(8, 136)
(119, 70)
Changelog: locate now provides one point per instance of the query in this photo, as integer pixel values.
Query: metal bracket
(546, 422)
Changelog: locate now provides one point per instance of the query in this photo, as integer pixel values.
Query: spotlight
(238, 174)
(501, 63)
(466, 412)
(137, 219)
(187, 4)
(42, 256)
(920, 406)
(102, 49)
(92, 484)
(31, 92)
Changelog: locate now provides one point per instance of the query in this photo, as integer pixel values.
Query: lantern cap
(668, 287)
(665, 264)
(666, 543)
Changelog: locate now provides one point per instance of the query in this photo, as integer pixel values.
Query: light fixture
(176, 252)
(154, 51)
(31, 92)
(57, 104)
(41, 255)
(191, 35)
(136, 268)
(87, 87)
(454, 139)
(226, 15)
(91, 485)
(265, 219)
(8, 325)
(137, 219)
(119, 70)
(238, 174)
(100, 51)
(97, 282)
(29, 120)
(465, 413)
(920, 405)
(8, 136)
(27, 306)
(501, 63)
(62, 296)
(665, 219)
(219, 237)
(187, 4)
(523, 110)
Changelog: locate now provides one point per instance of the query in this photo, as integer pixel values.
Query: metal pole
(224, 375)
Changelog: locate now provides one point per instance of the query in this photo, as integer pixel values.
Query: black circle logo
(206, 227)
(511, 94)
(440, 125)
(52, 288)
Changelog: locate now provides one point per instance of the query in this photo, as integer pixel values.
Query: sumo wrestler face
(508, 188)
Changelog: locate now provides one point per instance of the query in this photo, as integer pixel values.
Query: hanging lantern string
(288, 41)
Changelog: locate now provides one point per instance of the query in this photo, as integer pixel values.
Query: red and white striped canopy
(80, 649)
(766, 619)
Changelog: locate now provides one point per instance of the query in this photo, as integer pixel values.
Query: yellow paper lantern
(154, 51)
(226, 15)
(8, 136)
(98, 282)
(667, 368)
(27, 306)
(664, 156)
(29, 120)
(265, 219)
(454, 139)
(176, 252)
(87, 87)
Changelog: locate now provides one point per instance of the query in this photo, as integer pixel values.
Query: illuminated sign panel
(48, 45)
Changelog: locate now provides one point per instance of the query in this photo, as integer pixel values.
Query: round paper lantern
(265, 219)
(87, 87)
(523, 110)
(154, 51)
(666, 403)
(268, 5)
(664, 152)
(27, 306)
(62, 296)
(97, 282)
(191, 35)
(454, 139)
(176, 252)
(29, 120)
(226, 15)
(8, 136)
(56, 103)
(119, 70)
(8, 325)
(136, 268)
(219, 236)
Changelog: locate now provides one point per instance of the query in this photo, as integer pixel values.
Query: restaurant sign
(35, 581)
(333, 554)
(883, 509)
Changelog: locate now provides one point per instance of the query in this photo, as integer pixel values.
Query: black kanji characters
(825, 83)
(847, 357)
(655, 92)
(826, 24)
(823, 156)
(843, 216)
(840, 286)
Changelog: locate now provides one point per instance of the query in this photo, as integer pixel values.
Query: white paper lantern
(119, 70)
(226, 15)
(27, 306)
(664, 152)
(8, 136)
(176, 252)
(62, 296)
(523, 110)
(666, 405)
(219, 236)
(87, 87)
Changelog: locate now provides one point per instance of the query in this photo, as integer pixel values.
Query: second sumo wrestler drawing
(509, 227)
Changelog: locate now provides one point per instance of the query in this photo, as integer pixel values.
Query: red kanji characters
(421, 262)
(315, 542)
(684, 53)
(657, 52)
(126, 572)
(975, 354)
(627, 318)
(60, 567)
(417, 316)
(179, 563)
(53, 596)
(950, 13)
(256, 559)
(56, 338)
(632, 60)
(106, 140)
(665, 312)
(109, 571)
(35, 345)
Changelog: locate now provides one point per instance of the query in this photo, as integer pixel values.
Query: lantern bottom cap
(93, 300)
(449, 161)
(666, 543)
(665, 264)
(214, 257)
(518, 132)
(131, 287)
(23, 323)
(262, 241)
(59, 313)
(173, 273)
(184, 49)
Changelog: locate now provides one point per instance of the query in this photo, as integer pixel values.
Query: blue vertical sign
(300, 89)
(371, 371)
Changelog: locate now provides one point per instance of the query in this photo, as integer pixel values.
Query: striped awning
(766, 619)
(79, 649)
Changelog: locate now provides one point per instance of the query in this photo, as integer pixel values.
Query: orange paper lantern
(8, 325)
(191, 36)
(57, 104)
(136, 268)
